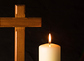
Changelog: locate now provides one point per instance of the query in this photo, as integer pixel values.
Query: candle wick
(49, 43)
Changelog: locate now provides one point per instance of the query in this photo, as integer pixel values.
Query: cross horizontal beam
(20, 22)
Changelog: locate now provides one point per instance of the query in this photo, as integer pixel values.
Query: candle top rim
(47, 45)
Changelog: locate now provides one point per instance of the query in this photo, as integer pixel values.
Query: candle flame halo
(49, 37)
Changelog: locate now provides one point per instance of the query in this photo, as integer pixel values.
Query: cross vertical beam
(19, 35)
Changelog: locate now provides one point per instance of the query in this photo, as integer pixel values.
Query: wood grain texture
(19, 11)
(20, 44)
(20, 22)
(20, 39)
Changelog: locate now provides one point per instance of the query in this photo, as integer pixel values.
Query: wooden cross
(19, 22)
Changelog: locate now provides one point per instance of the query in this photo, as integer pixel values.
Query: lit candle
(49, 51)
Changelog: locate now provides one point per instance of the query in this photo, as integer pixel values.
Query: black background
(63, 18)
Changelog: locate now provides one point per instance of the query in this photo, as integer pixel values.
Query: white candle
(49, 51)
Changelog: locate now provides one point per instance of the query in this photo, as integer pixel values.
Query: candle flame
(49, 37)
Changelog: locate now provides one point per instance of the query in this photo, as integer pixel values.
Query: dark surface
(63, 18)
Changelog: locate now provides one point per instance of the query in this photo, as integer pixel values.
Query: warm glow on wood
(49, 37)
(16, 46)
(16, 9)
